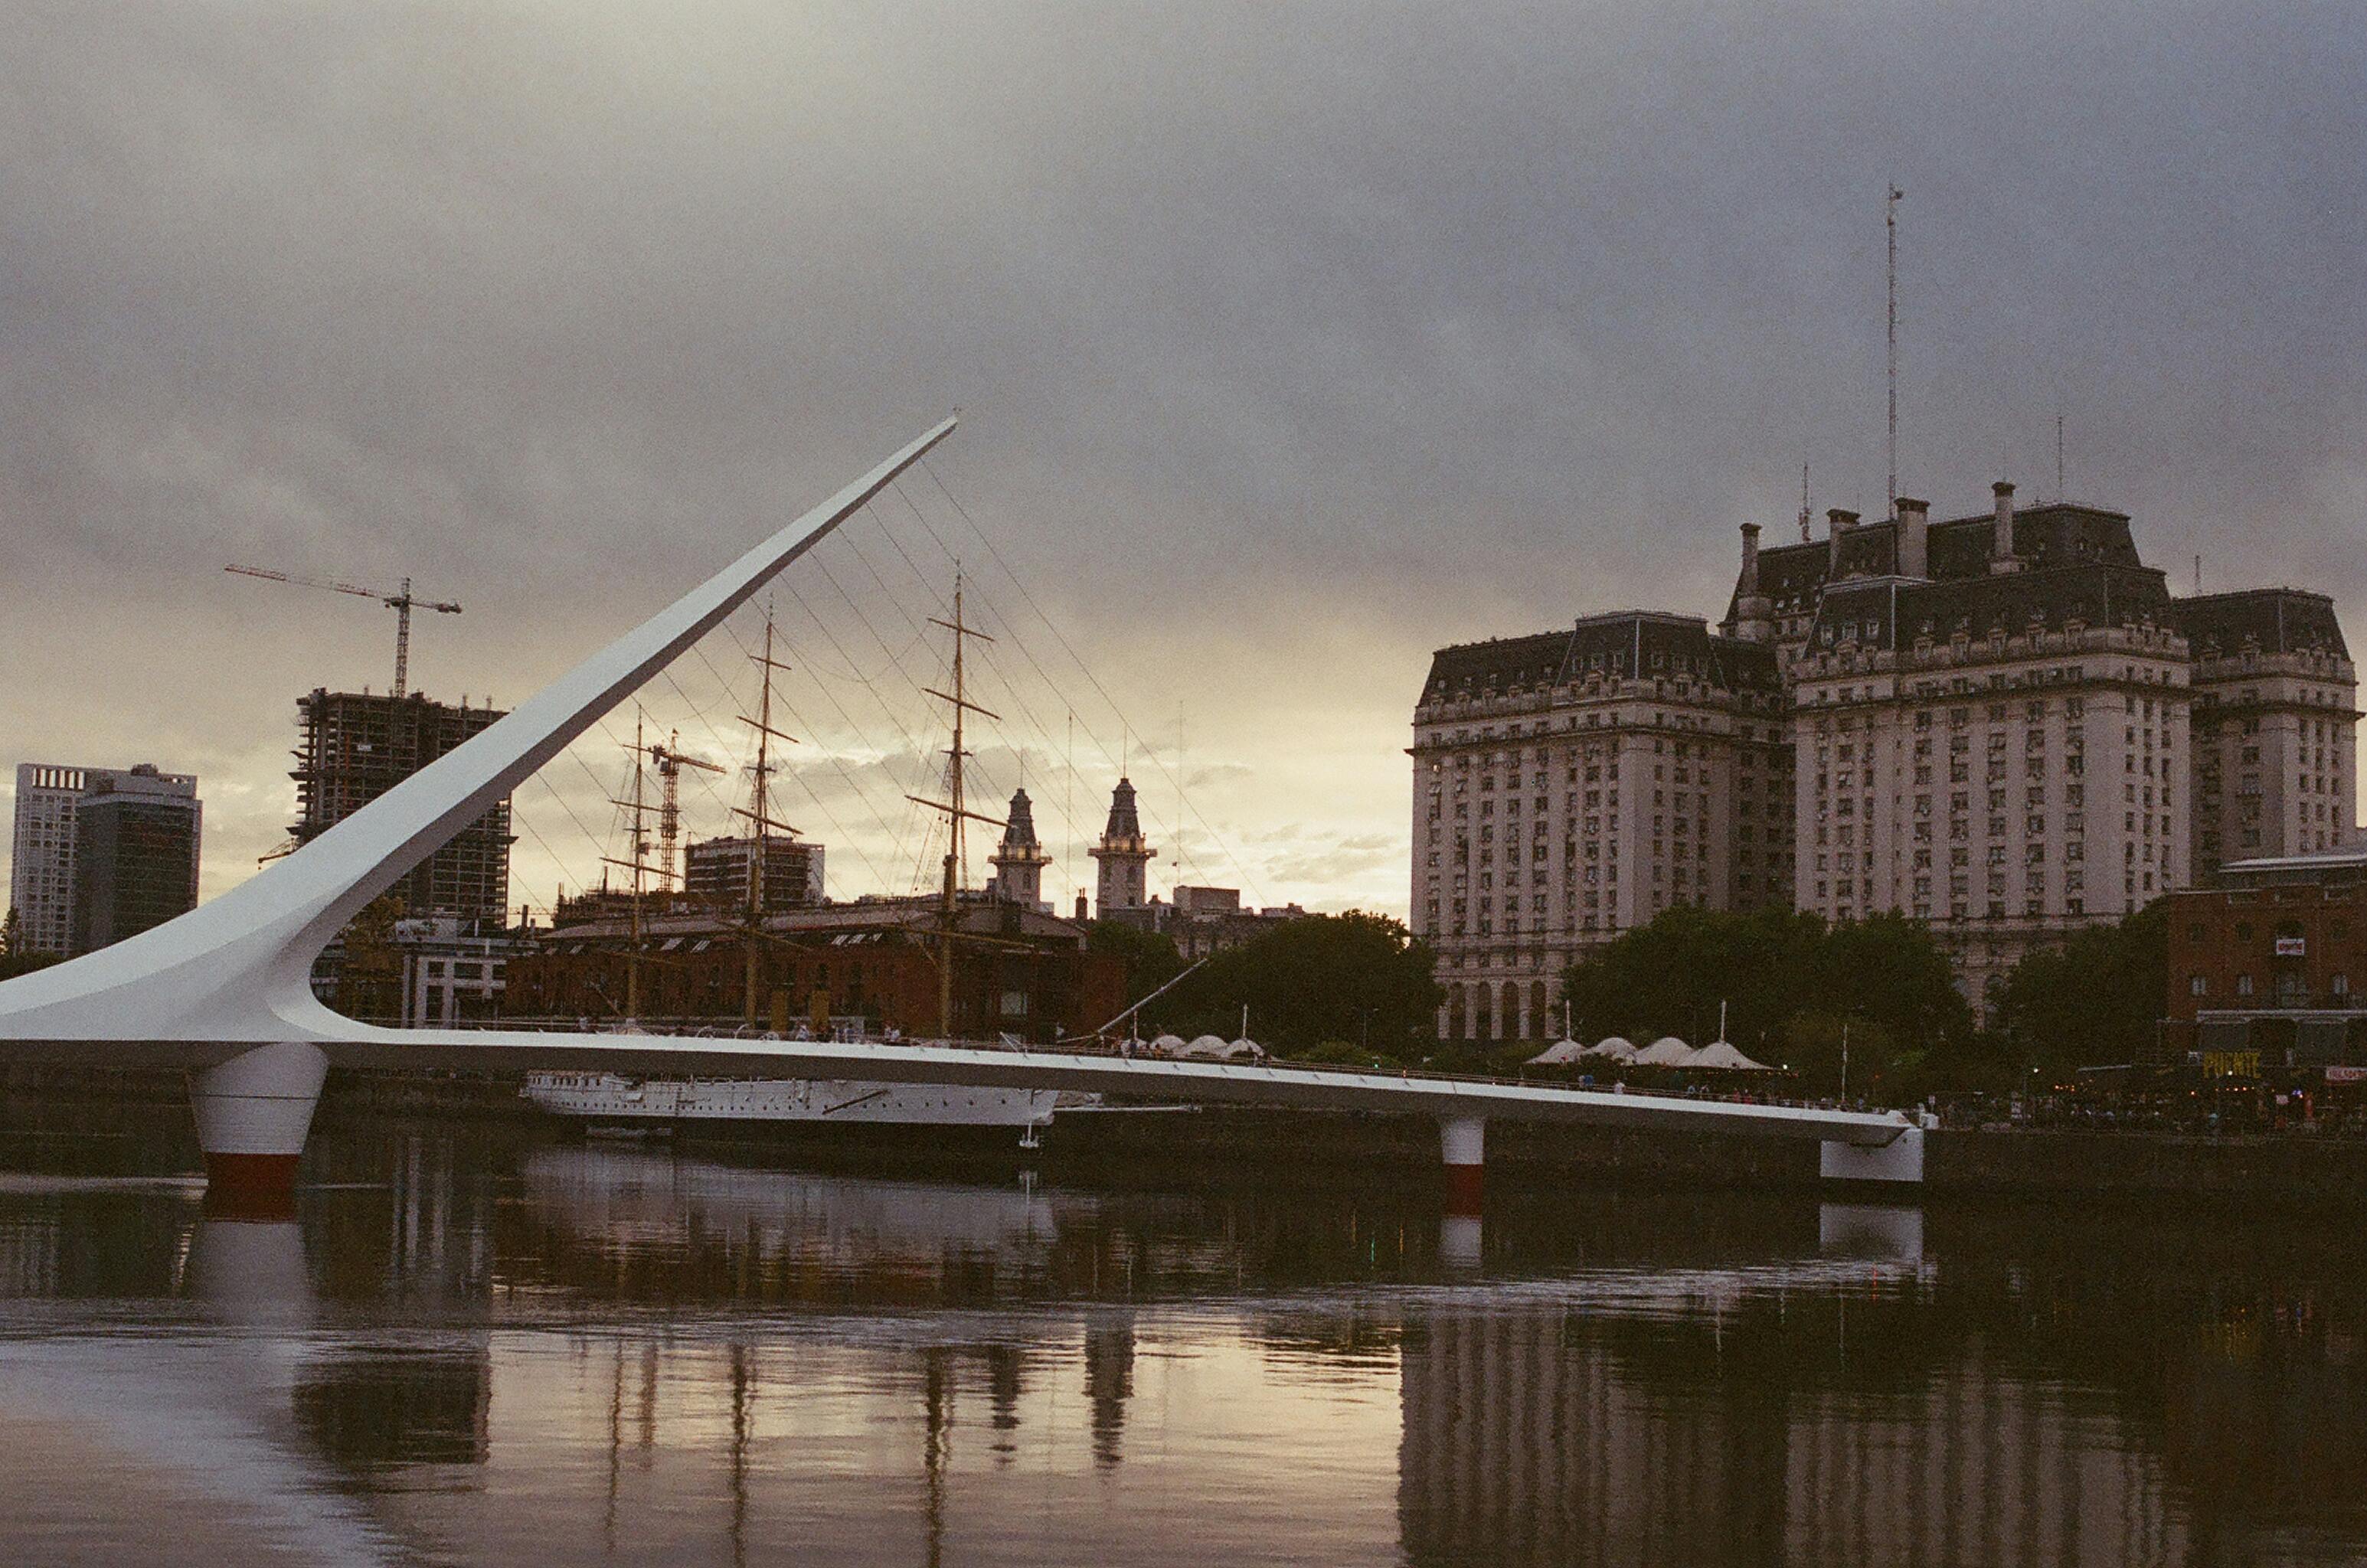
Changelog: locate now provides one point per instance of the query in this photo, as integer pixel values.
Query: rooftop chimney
(1752, 619)
(2001, 556)
(1914, 536)
(1837, 522)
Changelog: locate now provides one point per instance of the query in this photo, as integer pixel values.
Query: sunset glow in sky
(1292, 342)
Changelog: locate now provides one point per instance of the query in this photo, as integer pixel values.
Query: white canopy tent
(1721, 1054)
(1668, 1051)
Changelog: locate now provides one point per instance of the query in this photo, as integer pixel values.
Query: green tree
(369, 979)
(2095, 1001)
(16, 958)
(1150, 959)
(1787, 982)
(1351, 977)
(1889, 971)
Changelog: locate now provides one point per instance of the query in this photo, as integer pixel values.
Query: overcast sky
(1293, 341)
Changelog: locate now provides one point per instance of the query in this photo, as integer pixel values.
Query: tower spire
(1124, 854)
(1019, 860)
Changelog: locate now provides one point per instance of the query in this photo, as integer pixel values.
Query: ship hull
(828, 1113)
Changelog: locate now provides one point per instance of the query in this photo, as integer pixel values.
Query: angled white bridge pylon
(225, 989)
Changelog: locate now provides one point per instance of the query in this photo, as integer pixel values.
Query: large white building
(1571, 785)
(2003, 724)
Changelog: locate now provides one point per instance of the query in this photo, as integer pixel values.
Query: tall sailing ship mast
(759, 812)
(957, 811)
(670, 760)
(637, 849)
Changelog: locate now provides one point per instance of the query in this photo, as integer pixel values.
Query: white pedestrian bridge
(225, 989)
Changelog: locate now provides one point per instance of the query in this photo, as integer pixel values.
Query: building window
(2243, 984)
(2198, 987)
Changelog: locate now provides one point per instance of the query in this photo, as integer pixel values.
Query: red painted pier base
(251, 1187)
(253, 1112)
(1462, 1140)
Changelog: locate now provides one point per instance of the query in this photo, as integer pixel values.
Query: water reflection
(506, 1351)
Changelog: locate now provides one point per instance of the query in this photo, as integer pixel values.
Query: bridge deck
(361, 1045)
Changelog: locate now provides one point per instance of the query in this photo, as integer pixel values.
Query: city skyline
(1462, 365)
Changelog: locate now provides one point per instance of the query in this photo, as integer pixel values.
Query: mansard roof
(1896, 612)
(1625, 643)
(2050, 535)
(2274, 620)
(2045, 537)
(1793, 572)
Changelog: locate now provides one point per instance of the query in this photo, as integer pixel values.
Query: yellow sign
(2231, 1064)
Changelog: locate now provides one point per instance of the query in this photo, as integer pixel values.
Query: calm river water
(491, 1348)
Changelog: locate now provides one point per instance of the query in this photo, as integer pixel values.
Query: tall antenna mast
(1890, 236)
(955, 808)
(1804, 503)
(2060, 494)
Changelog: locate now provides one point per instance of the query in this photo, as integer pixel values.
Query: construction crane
(670, 761)
(402, 603)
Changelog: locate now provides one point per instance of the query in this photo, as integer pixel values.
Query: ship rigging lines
(857, 664)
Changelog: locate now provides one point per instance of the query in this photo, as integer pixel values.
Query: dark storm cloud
(1305, 336)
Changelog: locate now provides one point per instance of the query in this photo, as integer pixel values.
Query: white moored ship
(613, 1100)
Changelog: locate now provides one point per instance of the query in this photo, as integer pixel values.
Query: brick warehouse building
(2004, 724)
(1020, 972)
(2273, 961)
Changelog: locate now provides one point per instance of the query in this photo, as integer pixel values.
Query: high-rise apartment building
(714, 873)
(45, 858)
(357, 746)
(40, 871)
(2003, 724)
(137, 840)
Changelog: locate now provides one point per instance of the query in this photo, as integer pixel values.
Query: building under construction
(716, 872)
(357, 746)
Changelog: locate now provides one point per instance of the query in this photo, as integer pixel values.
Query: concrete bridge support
(1899, 1160)
(252, 1114)
(1464, 1141)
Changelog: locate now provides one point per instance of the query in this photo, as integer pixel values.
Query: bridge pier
(1464, 1141)
(1899, 1160)
(253, 1113)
